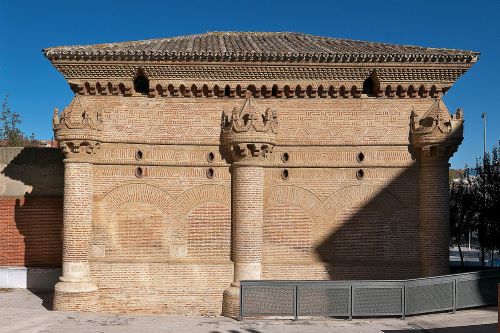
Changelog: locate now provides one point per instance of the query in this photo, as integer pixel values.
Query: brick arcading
(170, 202)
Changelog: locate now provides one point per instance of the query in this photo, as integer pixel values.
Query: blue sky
(35, 87)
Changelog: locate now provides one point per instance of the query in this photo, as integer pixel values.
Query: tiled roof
(259, 46)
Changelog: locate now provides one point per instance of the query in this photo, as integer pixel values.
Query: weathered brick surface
(181, 189)
(322, 222)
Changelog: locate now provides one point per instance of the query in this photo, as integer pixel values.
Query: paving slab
(22, 310)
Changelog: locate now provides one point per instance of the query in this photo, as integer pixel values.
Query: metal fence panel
(268, 301)
(368, 298)
(326, 301)
(471, 293)
(373, 301)
(429, 297)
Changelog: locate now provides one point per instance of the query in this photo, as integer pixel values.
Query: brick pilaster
(247, 223)
(434, 217)
(75, 292)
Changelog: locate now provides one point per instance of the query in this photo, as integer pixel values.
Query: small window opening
(360, 157)
(368, 86)
(227, 91)
(210, 173)
(210, 157)
(285, 174)
(285, 157)
(360, 174)
(138, 155)
(141, 83)
(138, 172)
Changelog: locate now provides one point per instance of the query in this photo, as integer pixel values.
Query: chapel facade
(195, 162)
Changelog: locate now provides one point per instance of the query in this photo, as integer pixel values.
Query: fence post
(350, 302)
(240, 317)
(403, 302)
(296, 302)
(454, 296)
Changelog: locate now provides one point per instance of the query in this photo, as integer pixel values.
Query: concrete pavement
(23, 311)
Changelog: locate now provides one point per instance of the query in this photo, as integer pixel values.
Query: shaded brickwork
(31, 206)
(30, 232)
(186, 176)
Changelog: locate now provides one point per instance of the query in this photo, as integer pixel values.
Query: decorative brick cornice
(226, 64)
(264, 80)
(437, 135)
(249, 131)
(262, 90)
(259, 72)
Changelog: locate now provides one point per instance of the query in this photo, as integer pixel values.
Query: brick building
(194, 162)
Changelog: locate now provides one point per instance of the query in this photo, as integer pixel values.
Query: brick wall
(161, 241)
(30, 232)
(31, 207)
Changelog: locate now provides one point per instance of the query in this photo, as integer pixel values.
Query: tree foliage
(475, 204)
(10, 134)
(462, 212)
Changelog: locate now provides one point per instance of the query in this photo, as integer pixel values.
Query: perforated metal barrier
(368, 298)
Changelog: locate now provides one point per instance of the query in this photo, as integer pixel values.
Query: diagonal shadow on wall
(33, 180)
(373, 229)
(377, 237)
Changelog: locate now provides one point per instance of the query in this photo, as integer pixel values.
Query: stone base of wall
(231, 303)
(76, 302)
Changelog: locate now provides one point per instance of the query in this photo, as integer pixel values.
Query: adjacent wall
(31, 190)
